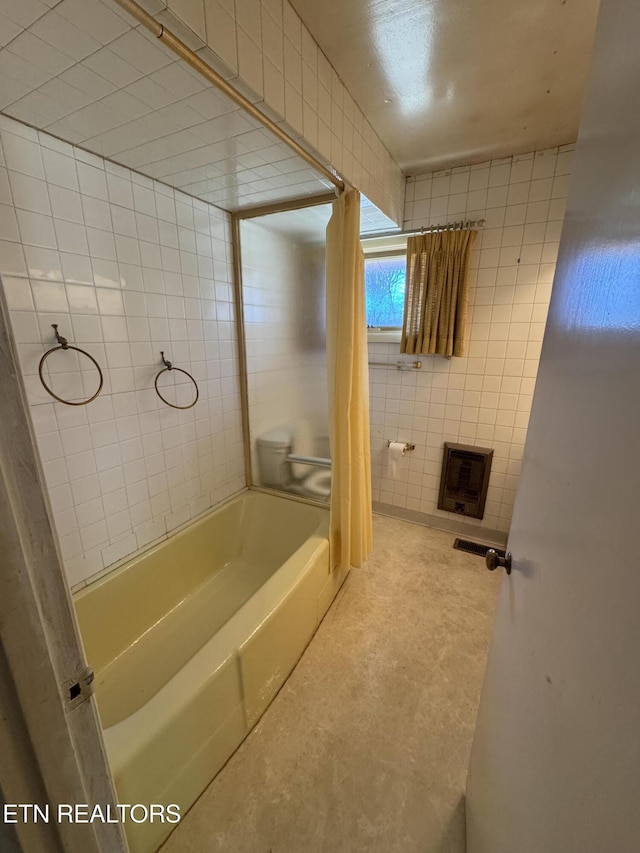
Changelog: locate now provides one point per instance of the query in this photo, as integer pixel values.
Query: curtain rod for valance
(428, 229)
(192, 59)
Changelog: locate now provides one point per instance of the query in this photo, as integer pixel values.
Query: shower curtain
(351, 515)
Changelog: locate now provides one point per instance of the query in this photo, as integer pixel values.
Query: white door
(555, 765)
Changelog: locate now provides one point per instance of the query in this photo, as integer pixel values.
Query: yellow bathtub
(191, 641)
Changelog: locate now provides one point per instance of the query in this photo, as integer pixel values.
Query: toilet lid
(279, 437)
(318, 483)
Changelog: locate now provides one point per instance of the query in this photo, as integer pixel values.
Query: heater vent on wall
(465, 479)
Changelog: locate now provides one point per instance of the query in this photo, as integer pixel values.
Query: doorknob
(494, 560)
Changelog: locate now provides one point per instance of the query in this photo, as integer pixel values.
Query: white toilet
(277, 472)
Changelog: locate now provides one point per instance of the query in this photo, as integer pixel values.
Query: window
(384, 278)
(385, 260)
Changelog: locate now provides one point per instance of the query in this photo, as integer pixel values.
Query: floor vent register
(475, 548)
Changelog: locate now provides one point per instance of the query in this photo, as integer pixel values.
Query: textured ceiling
(449, 82)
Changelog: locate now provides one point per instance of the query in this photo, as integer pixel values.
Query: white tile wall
(127, 267)
(485, 397)
(99, 81)
(267, 45)
(86, 73)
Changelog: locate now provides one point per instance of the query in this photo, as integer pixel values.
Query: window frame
(398, 248)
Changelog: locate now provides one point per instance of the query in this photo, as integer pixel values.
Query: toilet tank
(323, 448)
(273, 448)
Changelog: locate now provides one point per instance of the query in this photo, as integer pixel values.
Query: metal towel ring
(169, 366)
(64, 344)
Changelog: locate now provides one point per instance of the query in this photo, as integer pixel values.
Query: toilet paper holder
(409, 445)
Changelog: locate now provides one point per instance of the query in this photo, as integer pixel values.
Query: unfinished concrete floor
(366, 746)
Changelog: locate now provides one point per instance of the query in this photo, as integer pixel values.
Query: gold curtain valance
(437, 292)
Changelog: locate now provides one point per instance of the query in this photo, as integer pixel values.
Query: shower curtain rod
(470, 224)
(192, 59)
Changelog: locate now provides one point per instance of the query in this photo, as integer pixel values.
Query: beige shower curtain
(348, 375)
(437, 292)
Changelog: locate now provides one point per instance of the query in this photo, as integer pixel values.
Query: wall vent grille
(465, 479)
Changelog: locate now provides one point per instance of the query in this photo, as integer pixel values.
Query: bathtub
(191, 640)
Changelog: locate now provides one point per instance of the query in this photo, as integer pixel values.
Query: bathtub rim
(301, 556)
(177, 693)
(80, 587)
(301, 499)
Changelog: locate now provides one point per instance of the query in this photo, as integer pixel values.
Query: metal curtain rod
(429, 229)
(192, 59)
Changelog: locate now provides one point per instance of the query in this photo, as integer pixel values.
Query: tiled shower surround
(86, 72)
(485, 397)
(271, 50)
(127, 267)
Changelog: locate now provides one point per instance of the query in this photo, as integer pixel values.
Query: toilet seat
(318, 484)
